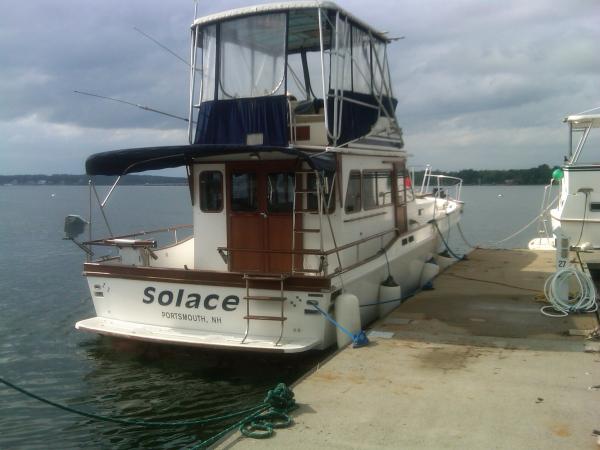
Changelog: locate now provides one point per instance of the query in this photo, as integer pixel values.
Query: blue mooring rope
(358, 340)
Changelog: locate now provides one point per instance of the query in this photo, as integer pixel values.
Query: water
(43, 294)
(493, 213)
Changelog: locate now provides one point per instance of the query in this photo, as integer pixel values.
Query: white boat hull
(212, 316)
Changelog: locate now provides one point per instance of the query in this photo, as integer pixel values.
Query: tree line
(536, 175)
(82, 180)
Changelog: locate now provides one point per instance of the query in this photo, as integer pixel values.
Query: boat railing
(226, 252)
(548, 200)
(132, 239)
(440, 186)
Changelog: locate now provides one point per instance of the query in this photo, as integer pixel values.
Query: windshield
(251, 57)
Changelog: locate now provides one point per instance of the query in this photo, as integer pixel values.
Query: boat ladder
(250, 278)
(302, 208)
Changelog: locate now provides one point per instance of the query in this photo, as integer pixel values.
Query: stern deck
(168, 335)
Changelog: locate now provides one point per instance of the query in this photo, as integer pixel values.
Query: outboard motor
(75, 226)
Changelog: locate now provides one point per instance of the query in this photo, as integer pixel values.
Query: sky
(480, 84)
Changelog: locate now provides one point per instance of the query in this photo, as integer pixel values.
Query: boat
(301, 196)
(569, 224)
(571, 218)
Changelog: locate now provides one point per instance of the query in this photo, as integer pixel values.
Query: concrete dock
(472, 364)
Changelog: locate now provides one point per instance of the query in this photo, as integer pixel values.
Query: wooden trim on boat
(202, 277)
(272, 251)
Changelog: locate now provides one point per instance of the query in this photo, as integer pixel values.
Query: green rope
(206, 443)
(259, 422)
(259, 425)
(181, 423)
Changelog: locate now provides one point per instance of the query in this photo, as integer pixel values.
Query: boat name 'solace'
(192, 300)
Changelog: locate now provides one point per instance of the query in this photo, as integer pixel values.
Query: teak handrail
(139, 233)
(310, 251)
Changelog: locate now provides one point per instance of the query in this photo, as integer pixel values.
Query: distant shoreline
(185, 184)
(537, 176)
(96, 184)
(82, 180)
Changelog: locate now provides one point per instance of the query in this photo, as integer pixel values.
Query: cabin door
(260, 203)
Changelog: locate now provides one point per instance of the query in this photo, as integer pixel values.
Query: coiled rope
(259, 420)
(261, 424)
(583, 302)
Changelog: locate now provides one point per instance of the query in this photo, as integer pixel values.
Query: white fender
(430, 270)
(387, 293)
(444, 262)
(347, 314)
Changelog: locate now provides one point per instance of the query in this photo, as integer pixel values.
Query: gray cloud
(480, 84)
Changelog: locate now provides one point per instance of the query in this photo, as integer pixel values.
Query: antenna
(164, 47)
(589, 110)
(145, 108)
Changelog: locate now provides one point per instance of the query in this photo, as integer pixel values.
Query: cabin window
(361, 61)
(211, 191)
(376, 188)
(280, 192)
(353, 195)
(209, 54)
(402, 180)
(410, 195)
(252, 56)
(328, 190)
(379, 63)
(243, 192)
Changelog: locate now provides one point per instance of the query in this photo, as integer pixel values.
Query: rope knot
(281, 398)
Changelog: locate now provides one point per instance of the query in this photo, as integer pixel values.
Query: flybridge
(302, 73)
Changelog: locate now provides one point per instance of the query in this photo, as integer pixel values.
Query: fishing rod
(145, 108)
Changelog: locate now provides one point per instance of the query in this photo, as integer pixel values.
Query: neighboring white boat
(575, 215)
(299, 191)
(570, 224)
